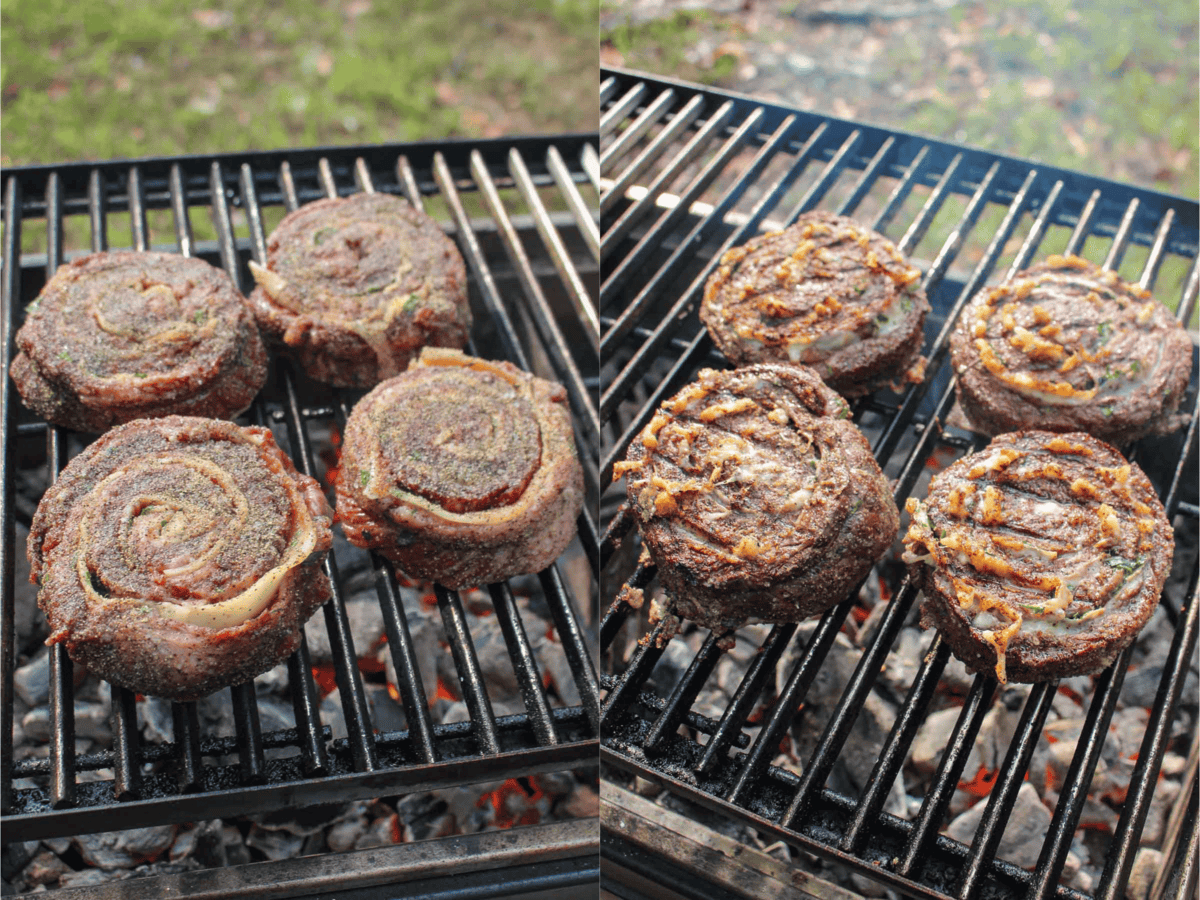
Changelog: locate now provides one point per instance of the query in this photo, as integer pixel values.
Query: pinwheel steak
(757, 497)
(355, 286)
(1041, 557)
(180, 555)
(1068, 346)
(825, 292)
(461, 471)
(120, 336)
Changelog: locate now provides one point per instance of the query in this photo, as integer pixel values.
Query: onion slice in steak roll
(1040, 557)
(757, 497)
(355, 286)
(826, 292)
(461, 471)
(114, 337)
(180, 555)
(1068, 346)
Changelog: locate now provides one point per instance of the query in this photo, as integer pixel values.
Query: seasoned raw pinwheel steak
(1040, 557)
(177, 556)
(1067, 346)
(120, 336)
(825, 292)
(355, 286)
(757, 497)
(461, 471)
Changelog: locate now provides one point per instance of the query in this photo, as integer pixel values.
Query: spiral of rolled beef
(1040, 557)
(757, 497)
(1068, 346)
(826, 292)
(114, 337)
(461, 471)
(355, 286)
(180, 555)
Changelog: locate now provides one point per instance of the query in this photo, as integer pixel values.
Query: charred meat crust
(120, 336)
(757, 497)
(1040, 557)
(461, 471)
(180, 555)
(355, 286)
(825, 292)
(1067, 346)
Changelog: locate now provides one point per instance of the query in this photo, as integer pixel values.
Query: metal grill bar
(636, 309)
(641, 731)
(470, 678)
(198, 782)
(8, 518)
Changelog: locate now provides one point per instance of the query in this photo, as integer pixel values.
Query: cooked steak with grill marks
(354, 286)
(120, 336)
(757, 497)
(1067, 346)
(461, 471)
(825, 292)
(177, 556)
(1040, 557)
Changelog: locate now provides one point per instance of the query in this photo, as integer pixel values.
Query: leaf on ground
(213, 18)
(1078, 144)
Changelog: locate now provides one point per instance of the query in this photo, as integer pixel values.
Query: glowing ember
(514, 802)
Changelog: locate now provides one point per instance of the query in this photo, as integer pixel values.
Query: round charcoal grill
(686, 173)
(517, 210)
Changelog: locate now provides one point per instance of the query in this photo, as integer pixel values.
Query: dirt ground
(1096, 86)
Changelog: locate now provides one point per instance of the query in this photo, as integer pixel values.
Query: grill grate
(529, 273)
(689, 172)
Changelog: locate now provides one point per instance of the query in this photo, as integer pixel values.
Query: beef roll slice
(461, 471)
(1040, 557)
(355, 286)
(1067, 346)
(180, 555)
(825, 292)
(119, 336)
(757, 497)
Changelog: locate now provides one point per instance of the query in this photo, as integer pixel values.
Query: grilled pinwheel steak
(461, 471)
(177, 556)
(120, 336)
(1067, 346)
(354, 286)
(757, 497)
(1040, 557)
(825, 292)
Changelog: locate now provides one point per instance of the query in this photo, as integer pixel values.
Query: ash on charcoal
(1146, 866)
(91, 723)
(32, 680)
(421, 816)
(93, 877)
(1026, 830)
(124, 849)
(45, 868)
(203, 841)
(30, 621)
(366, 625)
(236, 851)
(274, 844)
(426, 637)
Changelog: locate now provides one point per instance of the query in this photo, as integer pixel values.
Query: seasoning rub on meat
(180, 555)
(1068, 346)
(114, 337)
(461, 471)
(826, 292)
(355, 286)
(757, 497)
(1040, 557)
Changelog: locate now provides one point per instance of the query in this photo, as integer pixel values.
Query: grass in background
(100, 80)
(130, 78)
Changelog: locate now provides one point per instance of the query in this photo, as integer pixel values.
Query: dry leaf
(213, 18)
